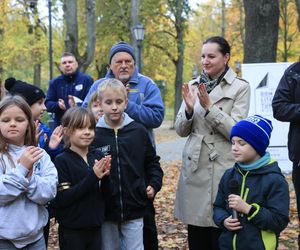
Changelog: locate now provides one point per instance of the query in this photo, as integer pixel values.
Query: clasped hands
(190, 94)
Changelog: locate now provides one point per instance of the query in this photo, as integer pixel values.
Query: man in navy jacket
(68, 89)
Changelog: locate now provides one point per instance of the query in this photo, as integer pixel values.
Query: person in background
(286, 108)
(79, 202)
(145, 106)
(68, 89)
(135, 176)
(95, 107)
(28, 179)
(35, 97)
(254, 188)
(212, 104)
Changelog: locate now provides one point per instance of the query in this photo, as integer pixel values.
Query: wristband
(251, 211)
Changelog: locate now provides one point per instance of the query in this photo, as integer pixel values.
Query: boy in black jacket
(135, 173)
(252, 204)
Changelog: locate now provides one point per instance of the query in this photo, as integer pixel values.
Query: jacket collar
(102, 123)
(71, 77)
(217, 93)
(229, 76)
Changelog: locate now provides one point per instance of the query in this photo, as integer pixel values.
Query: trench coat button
(211, 133)
(190, 158)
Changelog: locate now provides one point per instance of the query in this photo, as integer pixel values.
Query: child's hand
(61, 104)
(38, 131)
(150, 192)
(237, 203)
(232, 224)
(71, 101)
(102, 167)
(30, 155)
(56, 137)
(127, 86)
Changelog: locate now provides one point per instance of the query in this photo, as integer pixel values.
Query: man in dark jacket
(286, 108)
(68, 89)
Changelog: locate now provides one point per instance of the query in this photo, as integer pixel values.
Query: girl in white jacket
(28, 178)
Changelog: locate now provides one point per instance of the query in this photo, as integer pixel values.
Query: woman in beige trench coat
(212, 104)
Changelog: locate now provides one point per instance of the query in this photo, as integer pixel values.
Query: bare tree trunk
(71, 42)
(37, 75)
(223, 19)
(284, 18)
(101, 69)
(179, 9)
(298, 10)
(261, 23)
(135, 4)
(242, 23)
(179, 72)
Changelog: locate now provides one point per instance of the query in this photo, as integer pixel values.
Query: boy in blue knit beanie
(252, 204)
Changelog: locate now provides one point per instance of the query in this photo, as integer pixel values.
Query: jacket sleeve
(93, 88)
(220, 213)
(75, 192)
(13, 184)
(274, 215)
(284, 106)
(223, 122)
(43, 182)
(151, 111)
(51, 101)
(183, 126)
(154, 173)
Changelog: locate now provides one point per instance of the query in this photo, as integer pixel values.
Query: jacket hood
(102, 123)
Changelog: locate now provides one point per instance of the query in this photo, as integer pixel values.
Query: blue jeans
(37, 245)
(127, 235)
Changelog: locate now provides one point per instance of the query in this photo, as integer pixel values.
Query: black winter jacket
(286, 107)
(80, 203)
(267, 190)
(134, 166)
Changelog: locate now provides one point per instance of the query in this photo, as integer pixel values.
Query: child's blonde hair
(113, 84)
(76, 118)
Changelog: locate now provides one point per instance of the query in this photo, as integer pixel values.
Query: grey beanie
(121, 47)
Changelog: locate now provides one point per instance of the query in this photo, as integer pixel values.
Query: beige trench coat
(208, 136)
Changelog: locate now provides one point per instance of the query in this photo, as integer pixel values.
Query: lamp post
(139, 33)
(50, 40)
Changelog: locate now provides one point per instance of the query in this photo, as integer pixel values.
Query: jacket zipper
(119, 173)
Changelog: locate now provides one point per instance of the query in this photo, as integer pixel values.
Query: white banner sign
(263, 79)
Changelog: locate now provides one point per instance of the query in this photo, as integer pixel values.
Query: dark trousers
(150, 230)
(79, 239)
(46, 232)
(203, 238)
(296, 182)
